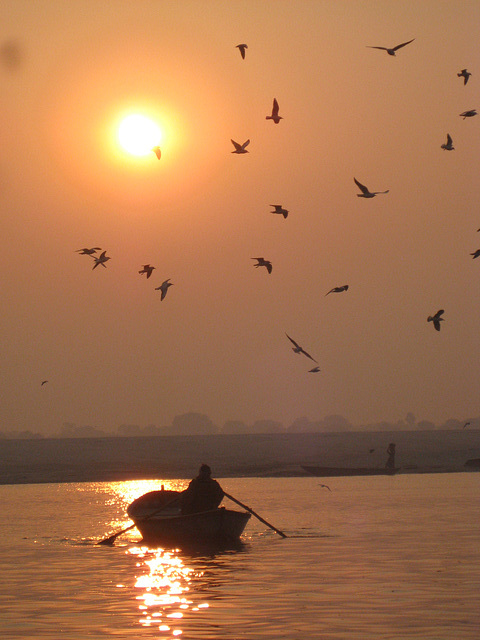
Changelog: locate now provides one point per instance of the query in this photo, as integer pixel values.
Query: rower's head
(205, 472)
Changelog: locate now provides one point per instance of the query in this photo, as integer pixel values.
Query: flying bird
(365, 192)
(261, 262)
(298, 349)
(325, 486)
(279, 209)
(391, 52)
(43, 382)
(448, 145)
(469, 114)
(338, 289)
(88, 252)
(314, 370)
(436, 319)
(164, 288)
(466, 424)
(241, 48)
(101, 259)
(275, 117)
(465, 75)
(475, 254)
(157, 151)
(148, 269)
(240, 148)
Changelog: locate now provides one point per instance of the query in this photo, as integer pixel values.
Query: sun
(138, 134)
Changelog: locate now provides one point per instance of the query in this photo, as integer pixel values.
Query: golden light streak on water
(164, 582)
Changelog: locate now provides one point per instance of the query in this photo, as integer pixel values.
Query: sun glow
(138, 135)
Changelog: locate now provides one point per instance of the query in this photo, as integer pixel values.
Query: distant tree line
(189, 424)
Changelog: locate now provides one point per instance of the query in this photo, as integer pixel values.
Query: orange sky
(112, 351)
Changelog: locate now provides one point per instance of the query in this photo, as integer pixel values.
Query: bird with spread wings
(298, 349)
(391, 51)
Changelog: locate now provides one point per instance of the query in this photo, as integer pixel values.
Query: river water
(390, 558)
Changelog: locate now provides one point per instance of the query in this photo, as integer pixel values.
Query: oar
(111, 539)
(280, 533)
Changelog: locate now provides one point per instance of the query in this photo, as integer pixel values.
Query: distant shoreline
(236, 456)
(61, 478)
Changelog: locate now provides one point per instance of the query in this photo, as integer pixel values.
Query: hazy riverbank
(103, 459)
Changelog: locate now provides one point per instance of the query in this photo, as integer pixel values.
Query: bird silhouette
(261, 262)
(164, 288)
(148, 269)
(391, 52)
(338, 289)
(275, 117)
(325, 486)
(436, 319)
(365, 192)
(157, 151)
(43, 382)
(465, 75)
(240, 148)
(88, 252)
(448, 145)
(314, 370)
(469, 114)
(475, 254)
(242, 48)
(101, 259)
(298, 349)
(280, 210)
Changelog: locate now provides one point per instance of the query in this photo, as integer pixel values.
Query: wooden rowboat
(329, 472)
(158, 517)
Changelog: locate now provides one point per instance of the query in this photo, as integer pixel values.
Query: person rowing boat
(190, 516)
(202, 494)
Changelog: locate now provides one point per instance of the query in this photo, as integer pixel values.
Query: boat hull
(330, 472)
(219, 526)
(157, 515)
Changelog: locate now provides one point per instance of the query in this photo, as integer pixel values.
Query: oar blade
(111, 539)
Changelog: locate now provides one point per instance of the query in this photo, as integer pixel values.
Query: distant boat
(158, 517)
(330, 472)
(473, 464)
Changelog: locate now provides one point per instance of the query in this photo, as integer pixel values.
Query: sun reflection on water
(163, 582)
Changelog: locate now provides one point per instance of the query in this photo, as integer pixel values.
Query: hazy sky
(112, 351)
